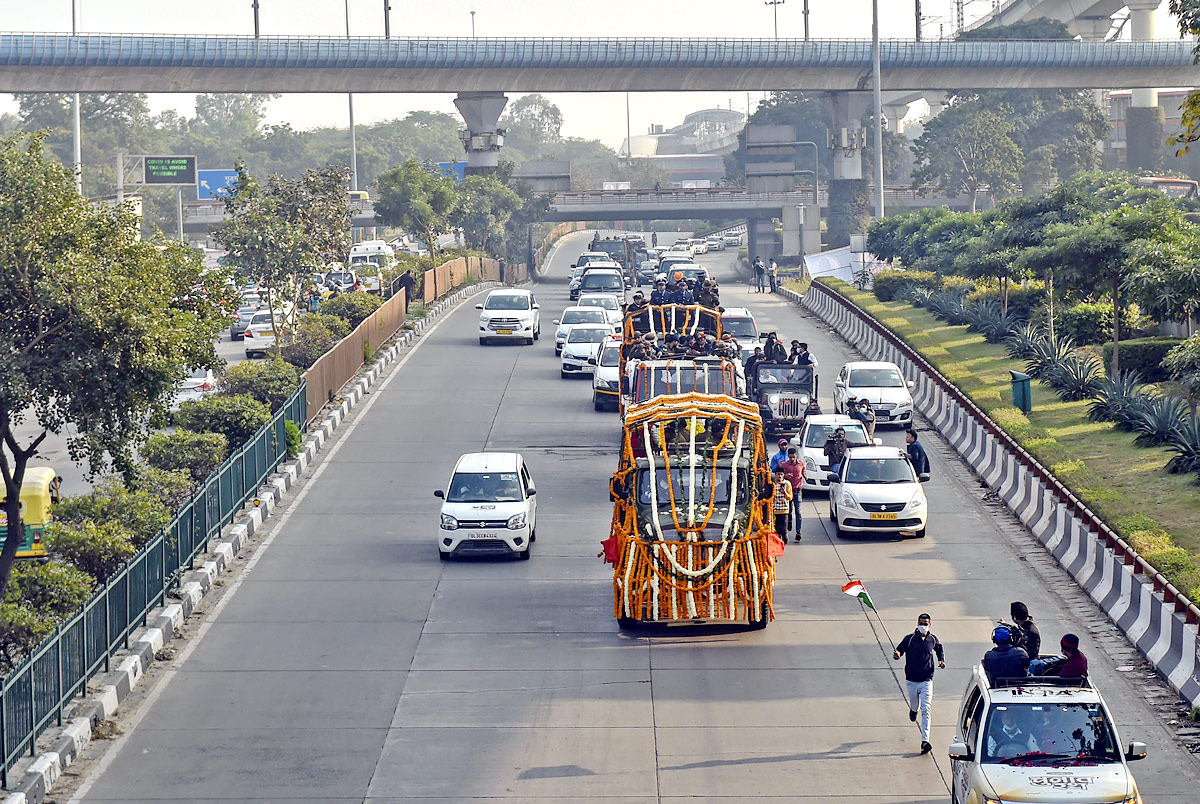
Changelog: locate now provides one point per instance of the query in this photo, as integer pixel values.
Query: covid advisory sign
(170, 170)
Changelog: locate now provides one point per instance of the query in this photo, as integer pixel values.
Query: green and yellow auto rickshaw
(39, 491)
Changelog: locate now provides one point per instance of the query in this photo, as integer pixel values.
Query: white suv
(1038, 739)
(606, 381)
(488, 508)
(509, 314)
(877, 491)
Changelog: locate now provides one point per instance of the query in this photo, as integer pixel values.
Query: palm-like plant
(1159, 421)
(1185, 441)
(1047, 355)
(1114, 394)
(1077, 377)
(1022, 341)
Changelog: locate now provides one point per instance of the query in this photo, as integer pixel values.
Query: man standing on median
(920, 649)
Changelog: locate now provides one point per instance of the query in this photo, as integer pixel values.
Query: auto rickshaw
(39, 491)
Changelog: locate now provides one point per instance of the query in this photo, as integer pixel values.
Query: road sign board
(170, 170)
(213, 184)
(455, 170)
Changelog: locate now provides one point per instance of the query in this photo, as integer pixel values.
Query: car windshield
(607, 302)
(588, 334)
(739, 327)
(583, 317)
(876, 378)
(683, 377)
(868, 471)
(341, 276)
(467, 487)
(198, 374)
(577, 272)
(1045, 734)
(680, 483)
(818, 434)
(506, 301)
(606, 281)
(610, 356)
(792, 375)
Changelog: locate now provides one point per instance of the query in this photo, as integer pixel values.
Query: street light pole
(387, 19)
(350, 99)
(775, 4)
(472, 23)
(806, 37)
(76, 141)
(254, 5)
(917, 12)
(878, 109)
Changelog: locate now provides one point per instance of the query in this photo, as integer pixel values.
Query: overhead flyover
(46, 62)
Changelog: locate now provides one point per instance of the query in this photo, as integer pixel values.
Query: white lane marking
(151, 697)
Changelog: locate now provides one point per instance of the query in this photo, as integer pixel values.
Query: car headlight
(449, 522)
(810, 464)
(516, 521)
(773, 399)
(483, 319)
(904, 405)
(803, 399)
(987, 800)
(848, 501)
(917, 500)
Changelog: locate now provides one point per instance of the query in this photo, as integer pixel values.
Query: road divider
(1153, 614)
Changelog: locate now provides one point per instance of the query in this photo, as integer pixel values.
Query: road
(346, 663)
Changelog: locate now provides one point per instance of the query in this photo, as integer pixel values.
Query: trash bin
(1022, 396)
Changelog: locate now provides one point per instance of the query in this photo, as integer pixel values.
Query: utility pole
(350, 98)
(472, 23)
(878, 109)
(77, 141)
(775, 4)
(917, 11)
(628, 134)
(387, 19)
(254, 5)
(806, 37)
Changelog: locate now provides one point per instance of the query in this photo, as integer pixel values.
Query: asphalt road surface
(348, 664)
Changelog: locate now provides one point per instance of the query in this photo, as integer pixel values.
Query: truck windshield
(684, 378)
(1046, 733)
(783, 375)
(680, 480)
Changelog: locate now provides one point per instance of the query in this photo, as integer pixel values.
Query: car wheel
(563, 374)
(537, 333)
(599, 406)
(529, 341)
(524, 554)
(533, 537)
(483, 341)
(920, 534)
(764, 618)
(832, 513)
(443, 556)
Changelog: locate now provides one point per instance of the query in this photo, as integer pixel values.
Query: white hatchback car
(879, 383)
(877, 491)
(509, 314)
(576, 315)
(810, 445)
(611, 303)
(606, 380)
(489, 507)
(581, 348)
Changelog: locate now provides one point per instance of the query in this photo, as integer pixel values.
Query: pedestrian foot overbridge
(52, 62)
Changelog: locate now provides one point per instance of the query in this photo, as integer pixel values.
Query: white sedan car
(877, 491)
(879, 383)
(583, 342)
(611, 303)
(810, 445)
(576, 315)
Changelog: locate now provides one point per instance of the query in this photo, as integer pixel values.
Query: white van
(369, 259)
(488, 508)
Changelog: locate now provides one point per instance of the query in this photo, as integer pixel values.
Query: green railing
(34, 695)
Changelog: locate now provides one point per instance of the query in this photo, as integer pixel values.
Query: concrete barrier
(1155, 616)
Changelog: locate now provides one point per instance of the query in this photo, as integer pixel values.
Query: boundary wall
(1153, 614)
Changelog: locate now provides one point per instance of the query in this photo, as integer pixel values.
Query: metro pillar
(481, 139)
(1144, 123)
(849, 202)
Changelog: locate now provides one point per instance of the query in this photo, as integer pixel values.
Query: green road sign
(170, 170)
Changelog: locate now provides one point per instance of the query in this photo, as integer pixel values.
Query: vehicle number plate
(504, 331)
(883, 516)
(491, 535)
(883, 417)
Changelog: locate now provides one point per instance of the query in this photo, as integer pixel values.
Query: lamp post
(806, 37)
(76, 140)
(387, 19)
(254, 6)
(350, 98)
(875, 69)
(775, 4)
(472, 23)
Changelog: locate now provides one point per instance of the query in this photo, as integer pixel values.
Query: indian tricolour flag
(856, 589)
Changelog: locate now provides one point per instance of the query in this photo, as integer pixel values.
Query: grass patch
(1126, 485)
(799, 285)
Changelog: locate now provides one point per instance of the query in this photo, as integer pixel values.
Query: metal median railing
(35, 694)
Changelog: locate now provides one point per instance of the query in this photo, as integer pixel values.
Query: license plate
(883, 516)
(496, 535)
(504, 331)
(883, 417)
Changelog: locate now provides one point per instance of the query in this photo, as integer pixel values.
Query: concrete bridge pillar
(481, 138)
(849, 203)
(1145, 120)
(1091, 29)
(894, 115)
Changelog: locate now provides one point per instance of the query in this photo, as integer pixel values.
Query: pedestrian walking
(920, 463)
(922, 650)
(793, 470)
(781, 505)
(760, 273)
(779, 457)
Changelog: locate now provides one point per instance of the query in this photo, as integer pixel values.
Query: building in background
(692, 153)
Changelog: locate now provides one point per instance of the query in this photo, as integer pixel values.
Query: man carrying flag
(920, 647)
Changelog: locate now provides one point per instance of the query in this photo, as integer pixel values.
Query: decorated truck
(647, 379)
(692, 536)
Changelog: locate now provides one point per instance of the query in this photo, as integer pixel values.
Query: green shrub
(21, 630)
(48, 588)
(887, 284)
(1076, 378)
(353, 307)
(269, 381)
(172, 488)
(315, 335)
(1173, 562)
(1022, 299)
(1145, 356)
(237, 418)
(1091, 322)
(292, 432)
(198, 454)
(137, 512)
(97, 548)
(957, 284)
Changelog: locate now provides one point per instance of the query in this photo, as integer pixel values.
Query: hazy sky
(599, 116)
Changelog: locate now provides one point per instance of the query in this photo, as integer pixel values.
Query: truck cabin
(680, 318)
(692, 496)
(706, 375)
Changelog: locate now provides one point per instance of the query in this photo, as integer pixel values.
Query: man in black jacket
(1026, 634)
(1005, 660)
(921, 648)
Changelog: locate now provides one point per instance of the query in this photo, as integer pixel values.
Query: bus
(1172, 186)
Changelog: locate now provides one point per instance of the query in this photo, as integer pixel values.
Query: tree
(417, 200)
(531, 123)
(485, 205)
(280, 231)
(1188, 12)
(1166, 276)
(98, 326)
(1183, 361)
(964, 148)
(811, 119)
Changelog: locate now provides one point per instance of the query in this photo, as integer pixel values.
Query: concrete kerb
(1132, 601)
(62, 746)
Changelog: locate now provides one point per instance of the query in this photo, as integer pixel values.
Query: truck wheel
(761, 623)
(627, 623)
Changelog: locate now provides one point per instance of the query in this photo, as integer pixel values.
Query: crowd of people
(1018, 647)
